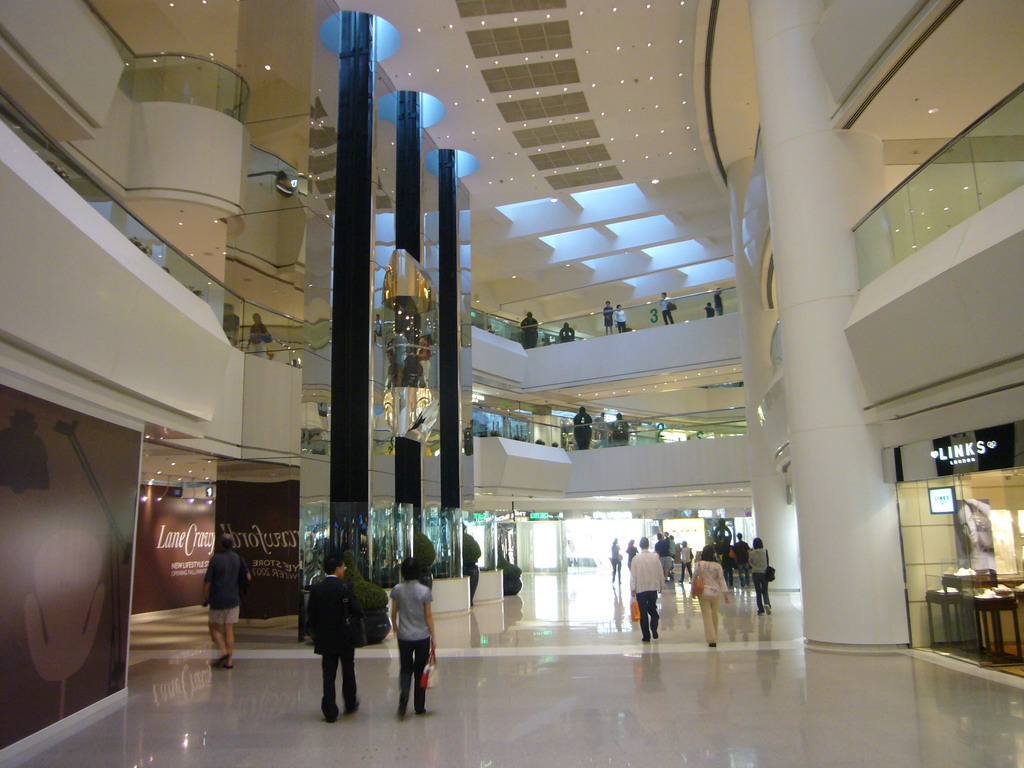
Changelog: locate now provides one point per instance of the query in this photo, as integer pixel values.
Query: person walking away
(661, 549)
(645, 580)
(607, 312)
(221, 591)
(741, 553)
(686, 557)
(716, 297)
(759, 574)
(565, 333)
(724, 552)
(666, 313)
(631, 552)
(616, 561)
(715, 590)
(582, 431)
(620, 318)
(529, 326)
(709, 311)
(673, 552)
(414, 624)
(620, 431)
(331, 601)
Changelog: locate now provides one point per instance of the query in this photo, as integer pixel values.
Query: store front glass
(961, 506)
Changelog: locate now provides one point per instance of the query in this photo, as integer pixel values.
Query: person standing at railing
(717, 298)
(529, 326)
(565, 333)
(620, 431)
(608, 312)
(709, 311)
(620, 318)
(582, 431)
(259, 336)
(666, 309)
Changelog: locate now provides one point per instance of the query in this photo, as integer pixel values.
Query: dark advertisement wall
(264, 520)
(68, 485)
(174, 543)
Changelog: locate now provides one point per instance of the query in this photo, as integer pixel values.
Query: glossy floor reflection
(557, 677)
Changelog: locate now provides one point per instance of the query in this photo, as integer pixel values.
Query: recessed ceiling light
(655, 181)
(266, 67)
(933, 110)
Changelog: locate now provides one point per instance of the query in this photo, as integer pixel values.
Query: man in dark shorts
(221, 592)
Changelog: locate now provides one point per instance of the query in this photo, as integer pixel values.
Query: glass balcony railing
(281, 341)
(559, 431)
(972, 171)
(638, 317)
(184, 78)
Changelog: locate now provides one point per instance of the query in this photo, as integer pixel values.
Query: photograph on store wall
(68, 489)
(975, 543)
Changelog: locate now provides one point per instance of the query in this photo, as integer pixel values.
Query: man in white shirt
(645, 579)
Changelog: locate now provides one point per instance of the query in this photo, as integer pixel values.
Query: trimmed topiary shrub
(370, 596)
(423, 550)
(470, 550)
(511, 570)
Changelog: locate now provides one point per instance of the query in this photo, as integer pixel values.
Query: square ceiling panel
(487, 7)
(522, 38)
(537, 75)
(557, 105)
(561, 133)
(582, 178)
(563, 158)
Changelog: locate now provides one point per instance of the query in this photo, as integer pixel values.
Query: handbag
(769, 573)
(353, 631)
(634, 610)
(697, 584)
(429, 678)
(671, 306)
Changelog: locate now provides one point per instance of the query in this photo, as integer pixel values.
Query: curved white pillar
(774, 515)
(820, 182)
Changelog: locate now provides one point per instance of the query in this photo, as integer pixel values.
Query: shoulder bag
(697, 585)
(353, 631)
(769, 573)
(243, 575)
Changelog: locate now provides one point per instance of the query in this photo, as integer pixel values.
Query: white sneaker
(769, 609)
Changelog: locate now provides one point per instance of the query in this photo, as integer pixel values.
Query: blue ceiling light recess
(387, 39)
(465, 163)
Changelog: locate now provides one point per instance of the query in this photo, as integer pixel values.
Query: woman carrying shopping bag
(709, 572)
(414, 625)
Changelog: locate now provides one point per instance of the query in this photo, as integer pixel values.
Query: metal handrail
(927, 163)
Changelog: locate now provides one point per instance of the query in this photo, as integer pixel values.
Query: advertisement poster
(175, 541)
(68, 489)
(263, 518)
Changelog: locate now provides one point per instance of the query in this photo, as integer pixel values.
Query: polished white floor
(557, 677)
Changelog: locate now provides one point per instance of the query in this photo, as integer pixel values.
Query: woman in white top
(715, 589)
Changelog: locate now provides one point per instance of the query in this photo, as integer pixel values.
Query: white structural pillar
(820, 182)
(774, 515)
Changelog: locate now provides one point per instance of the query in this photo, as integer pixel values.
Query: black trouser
(582, 436)
(648, 608)
(329, 665)
(761, 590)
(727, 565)
(687, 568)
(413, 655)
(666, 317)
(617, 568)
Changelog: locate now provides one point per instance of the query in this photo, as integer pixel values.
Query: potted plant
(470, 554)
(371, 598)
(424, 552)
(512, 578)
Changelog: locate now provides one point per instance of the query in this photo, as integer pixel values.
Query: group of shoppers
(583, 430)
(649, 571)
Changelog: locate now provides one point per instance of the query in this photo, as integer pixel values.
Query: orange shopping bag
(634, 609)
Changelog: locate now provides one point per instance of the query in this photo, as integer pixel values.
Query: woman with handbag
(414, 625)
(709, 586)
(759, 574)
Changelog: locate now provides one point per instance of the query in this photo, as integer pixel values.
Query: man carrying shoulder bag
(331, 615)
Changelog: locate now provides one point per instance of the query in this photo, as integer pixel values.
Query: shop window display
(962, 545)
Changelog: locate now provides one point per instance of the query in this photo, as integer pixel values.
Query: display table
(989, 612)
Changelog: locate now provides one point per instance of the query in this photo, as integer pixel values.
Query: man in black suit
(330, 601)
